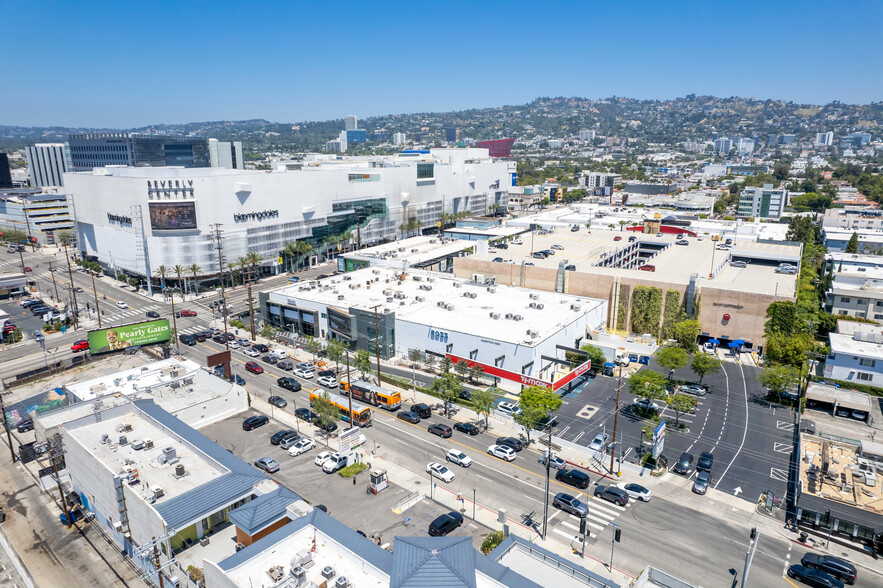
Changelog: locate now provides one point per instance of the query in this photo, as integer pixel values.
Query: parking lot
(347, 501)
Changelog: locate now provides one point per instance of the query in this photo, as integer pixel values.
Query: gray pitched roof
(264, 510)
(433, 561)
(491, 567)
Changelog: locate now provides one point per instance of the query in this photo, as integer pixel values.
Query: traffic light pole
(749, 556)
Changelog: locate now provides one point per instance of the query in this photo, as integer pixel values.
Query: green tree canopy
(783, 318)
(482, 401)
(647, 384)
(852, 244)
(685, 333)
(448, 387)
(596, 355)
(681, 404)
(671, 358)
(779, 379)
(545, 400)
(703, 364)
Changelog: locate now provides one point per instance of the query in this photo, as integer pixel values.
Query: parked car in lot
(445, 524)
(269, 359)
(328, 427)
(441, 430)
(645, 404)
(332, 465)
(268, 464)
(253, 422)
(467, 428)
(682, 242)
(458, 457)
(570, 268)
(557, 247)
(700, 486)
(26, 425)
(556, 464)
(512, 442)
(260, 347)
(647, 267)
(684, 464)
(706, 460)
(502, 452)
(328, 381)
(599, 442)
(437, 470)
(305, 414)
(80, 345)
(570, 504)
(612, 494)
(277, 437)
(841, 569)
(814, 578)
(575, 478)
(408, 416)
(320, 459)
(738, 264)
(277, 401)
(289, 441)
(636, 491)
(617, 238)
(288, 384)
(508, 408)
(253, 367)
(302, 445)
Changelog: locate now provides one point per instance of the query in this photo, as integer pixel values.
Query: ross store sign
(439, 336)
(247, 216)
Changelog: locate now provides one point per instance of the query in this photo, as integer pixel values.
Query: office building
(788, 139)
(745, 146)
(38, 213)
(824, 139)
(855, 140)
(225, 154)
(88, 151)
(147, 217)
(350, 122)
(765, 202)
(451, 134)
(357, 136)
(47, 163)
(497, 147)
(596, 180)
(723, 145)
(398, 138)
(587, 136)
(5, 174)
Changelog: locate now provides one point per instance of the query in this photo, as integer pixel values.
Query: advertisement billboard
(170, 216)
(125, 336)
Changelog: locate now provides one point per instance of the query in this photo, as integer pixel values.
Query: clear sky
(127, 64)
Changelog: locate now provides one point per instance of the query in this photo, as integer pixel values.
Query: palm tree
(302, 249)
(254, 259)
(195, 270)
(163, 272)
(179, 270)
(231, 266)
(241, 261)
(622, 223)
(290, 251)
(347, 237)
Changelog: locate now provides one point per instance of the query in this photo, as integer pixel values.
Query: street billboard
(125, 336)
(170, 216)
(348, 439)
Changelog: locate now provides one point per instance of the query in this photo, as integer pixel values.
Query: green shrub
(351, 470)
(646, 310)
(491, 541)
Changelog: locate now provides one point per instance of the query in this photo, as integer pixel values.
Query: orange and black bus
(374, 395)
(361, 413)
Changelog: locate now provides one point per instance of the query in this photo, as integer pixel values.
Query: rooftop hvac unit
(433, 240)
(298, 574)
(441, 303)
(534, 296)
(328, 572)
(414, 250)
(387, 292)
(539, 306)
(419, 298)
(158, 492)
(450, 307)
(532, 305)
(376, 272)
(118, 526)
(401, 249)
(532, 333)
(517, 317)
(509, 315)
(137, 445)
(495, 315)
(352, 286)
(389, 299)
(105, 438)
(123, 440)
(169, 453)
(179, 470)
(400, 295)
(148, 444)
(341, 582)
(458, 285)
(478, 278)
(575, 307)
(347, 278)
(418, 278)
(340, 296)
(124, 428)
(430, 279)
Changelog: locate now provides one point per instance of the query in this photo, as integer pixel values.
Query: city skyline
(179, 63)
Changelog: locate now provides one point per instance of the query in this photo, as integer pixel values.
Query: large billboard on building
(170, 216)
(123, 337)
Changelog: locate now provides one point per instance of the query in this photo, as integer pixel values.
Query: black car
(467, 428)
(219, 338)
(685, 462)
(260, 348)
(269, 359)
(240, 381)
(326, 374)
(277, 438)
(814, 578)
(422, 410)
(305, 414)
(540, 255)
(442, 431)
(25, 426)
(288, 384)
(327, 427)
(408, 416)
(512, 442)
(575, 478)
(231, 337)
(612, 494)
(187, 340)
(706, 460)
(835, 566)
(277, 401)
(502, 246)
(152, 314)
(253, 422)
(202, 336)
(445, 524)
(465, 395)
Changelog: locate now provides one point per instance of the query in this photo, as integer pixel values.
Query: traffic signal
(617, 534)
(753, 533)
(827, 516)
(582, 526)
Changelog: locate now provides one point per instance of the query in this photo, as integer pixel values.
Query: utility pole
(5, 423)
(156, 562)
(349, 382)
(21, 257)
(616, 414)
(216, 229)
(54, 445)
(749, 555)
(54, 283)
(546, 496)
(95, 293)
(377, 340)
(70, 274)
(358, 231)
(250, 304)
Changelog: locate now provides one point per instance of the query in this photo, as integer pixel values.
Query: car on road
(570, 504)
(289, 384)
(268, 464)
(305, 414)
(617, 238)
(305, 374)
(269, 359)
(645, 404)
(122, 304)
(700, 486)
(557, 463)
(682, 242)
(240, 381)
(636, 491)
(422, 410)
(617, 496)
(599, 442)
(260, 347)
(706, 460)
(508, 408)
(251, 352)
(188, 313)
(408, 416)
(684, 463)
(502, 452)
(302, 445)
(27, 269)
(467, 428)
(277, 401)
(152, 314)
(437, 470)
(253, 422)
(279, 436)
(253, 367)
(80, 345)
(441, 430)
(512, 442)
(332, 465)
(739, 264)
(187, 340)
(814, 578)
(841, 569)
(575, 478)
(233, 345)
(445, 524)
(574, 229)
(458, 457)
(26, 425)
(328, 381)
(694, 389)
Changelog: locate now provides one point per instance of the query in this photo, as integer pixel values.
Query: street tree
(179, 271)
(530, 418)
(704, 364)
(195, 269)
(447, 387)
(647, 384)
(446, 364)
(685, 333)
(482, 402)
(475, 372)
(326, 412)
(162, 272)
(415, 356)
(312, 346)
(430, 361)
(596, 355)
(541, 398)
(335, 349)
(671, 358)
(680, 404)
(363, 362)
(779, 379)
(462, 368)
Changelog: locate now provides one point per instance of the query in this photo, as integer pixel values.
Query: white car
(437, 470)
(458, 457)
(558, 247)
(599, 442)
(320, 459)
(121, 304)
(723, 247)
(509, 261)
(233, 345)
(502, 452)
(302, 445)
(508, 408)
(327, 381)
(251, 352)
(517, 242)
(305, 374)
(636, 491)
(279, 353)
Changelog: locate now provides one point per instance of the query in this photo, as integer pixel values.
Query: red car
(27, 269)
(648, 268)
(188, 313)
(253, 367)
(80, 345)
(8, 328)
(617, 238)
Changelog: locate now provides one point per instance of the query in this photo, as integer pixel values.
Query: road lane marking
(744, 430)
(779, 474)
(564, 533)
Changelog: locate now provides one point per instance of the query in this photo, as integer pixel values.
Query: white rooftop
(428, 299)
(857, 339)
(413, 250)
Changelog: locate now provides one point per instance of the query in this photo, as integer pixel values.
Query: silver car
(570, 504)
(700, 486)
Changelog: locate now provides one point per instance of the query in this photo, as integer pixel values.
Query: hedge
(351, 470)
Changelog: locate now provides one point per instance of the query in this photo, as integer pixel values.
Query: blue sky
(125, 64)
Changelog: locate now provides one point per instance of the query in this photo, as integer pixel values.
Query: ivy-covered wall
(623, 308)
(646, 310)
(673, 313)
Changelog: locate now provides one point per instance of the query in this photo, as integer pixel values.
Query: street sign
(348, 439)
(658, 440)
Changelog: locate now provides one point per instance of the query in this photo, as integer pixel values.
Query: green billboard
(123, 337)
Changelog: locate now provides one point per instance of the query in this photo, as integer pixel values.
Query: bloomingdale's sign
(247, 216)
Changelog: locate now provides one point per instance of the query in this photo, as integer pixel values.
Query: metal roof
(851, 399)
(264, 510)
(512, 579)
(433, 561)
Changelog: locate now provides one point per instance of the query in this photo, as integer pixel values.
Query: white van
(279, 353)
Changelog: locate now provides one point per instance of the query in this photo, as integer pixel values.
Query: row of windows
(860, 301)
(96, 148)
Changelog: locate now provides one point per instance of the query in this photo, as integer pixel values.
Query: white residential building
(824, 139)
(398, 138)
(856, 353)
(587, 136)
(766, 202)
(350, 123)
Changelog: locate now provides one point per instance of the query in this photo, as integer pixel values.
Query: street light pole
(54, 283)
(613, 541)
(95, 293)
(616, 413)
(749, 555)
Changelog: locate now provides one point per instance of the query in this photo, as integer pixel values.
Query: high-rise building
(723, 145)
(5, 174)
(350, 123)
(765, 202)
(46, 164)
(356, 136)
(451, 134)
(398, 138)
(587, 136)
(225, 154)
(825, 139)
(745, 146)
(88, 151)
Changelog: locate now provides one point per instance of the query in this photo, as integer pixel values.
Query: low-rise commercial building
(39, 213)
(856, 353)
(869, 240)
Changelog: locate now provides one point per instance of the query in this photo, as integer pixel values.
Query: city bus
(361, 413)
(374, 395)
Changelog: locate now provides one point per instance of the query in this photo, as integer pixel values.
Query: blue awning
(733, 344)
(714, 341)
(739, 342)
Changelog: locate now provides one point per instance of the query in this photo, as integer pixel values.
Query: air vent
(509, 315)
(458, 285)
(158, 492)
(539, 306)
(341, 582)
(495, 315)
(419, 298)
(441, 303)
(179, 470)
(123, 440)
(517, 317)
(328, 572)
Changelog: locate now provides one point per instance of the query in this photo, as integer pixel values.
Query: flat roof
(842, 482)
(413, 250)
(851, 399)
(421, 294)
(846, 344)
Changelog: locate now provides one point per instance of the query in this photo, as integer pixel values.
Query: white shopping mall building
(135, 219)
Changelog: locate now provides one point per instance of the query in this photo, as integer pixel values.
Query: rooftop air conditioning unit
(458, 285)
(341, 582)
(430, 279)
(495, 315)
(105, 438)
(401, 249)
(179, 470)
(138, 445)
(450, 307)
(517, 317)
(158, 492)
(328, 572)
(539, 306)
(298, 574)
(169, 452)
(533, 304)
(441, 303)
(340, 296)
(418, 278)
(532, 333)
(124, 428)
(376, 272)
(534, 296)
(575, 307)
(148, 444)
(433, 240)
(419, 298)
(389, 299)
(123, 440)
(509, 315)
(414, 250)
(347, 278)
(118, 526)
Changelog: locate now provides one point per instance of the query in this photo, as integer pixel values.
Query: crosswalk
(192, 330)
(601, 514)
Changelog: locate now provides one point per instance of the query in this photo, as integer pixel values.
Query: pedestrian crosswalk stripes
(601, 514)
